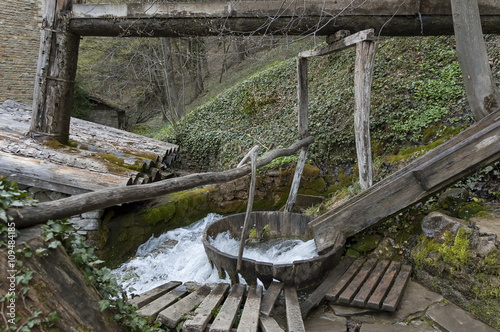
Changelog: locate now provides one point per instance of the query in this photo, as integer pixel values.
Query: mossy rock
(363, 244)
(467, 210)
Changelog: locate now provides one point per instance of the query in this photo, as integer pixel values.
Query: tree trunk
(56, 72)
(175, 106)
(482, 93)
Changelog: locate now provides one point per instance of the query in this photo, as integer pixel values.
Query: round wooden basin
(274, 225)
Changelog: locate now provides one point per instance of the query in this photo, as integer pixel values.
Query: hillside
(417, 99)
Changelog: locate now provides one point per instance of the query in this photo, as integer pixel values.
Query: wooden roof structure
(97, 157)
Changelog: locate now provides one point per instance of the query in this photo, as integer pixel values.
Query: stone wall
(20, 22)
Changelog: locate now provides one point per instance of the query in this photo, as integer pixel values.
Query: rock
(453, 319)
(436, 225)
(452, 198)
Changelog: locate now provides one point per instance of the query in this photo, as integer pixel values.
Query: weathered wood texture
(303, 129)
(293, 315)
(56, 72)
(172, 315)
(342, 44)
(477, 146)
(371, 284)
(387, 17)
(32, 215)
(153, 308)
(482, 93)
(153, 294)
(270, 297)
(196, 310)
(204, 313)
(275, 225)
(250, 316)
(315, 298)
(227, 314)
(100, 157)
(365, 59)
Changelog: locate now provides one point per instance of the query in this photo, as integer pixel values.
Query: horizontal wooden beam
(283, 17)
(341, 44)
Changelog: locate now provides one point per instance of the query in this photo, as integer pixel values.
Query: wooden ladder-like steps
(172, 303)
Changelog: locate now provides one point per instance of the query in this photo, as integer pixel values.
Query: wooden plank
(344, 281)
(341, 44)
(151, 295)
(153, 308)
(482, 92)
(392, 299)
(383, 287)
(269, 324)
(205, 311)
(270, 297)
(172, 315)
(363, 72)
(296, 180)
(319, 293)
(370, 284)
(293, 315)
(227, 314)
(249, 321)
(403, 189)
(352, 289)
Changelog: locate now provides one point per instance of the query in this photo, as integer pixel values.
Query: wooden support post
(482, 93)
(56, 71)
(365, 56)
(303, 128)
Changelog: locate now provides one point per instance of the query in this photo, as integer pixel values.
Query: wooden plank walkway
(366, 283)
(374, 284)
(216, 307)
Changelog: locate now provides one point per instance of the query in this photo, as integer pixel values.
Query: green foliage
(408, 97)
(56, 233)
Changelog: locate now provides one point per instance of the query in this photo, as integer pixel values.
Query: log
(215, 18)
(56, 73)
(481, 90)
(31, 215)
(365, 60)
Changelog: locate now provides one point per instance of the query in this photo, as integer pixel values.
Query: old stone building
(20, 22)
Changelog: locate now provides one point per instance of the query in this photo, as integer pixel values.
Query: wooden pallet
(371, 283)
(172, 304)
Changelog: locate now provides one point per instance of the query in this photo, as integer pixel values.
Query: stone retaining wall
(20, 22)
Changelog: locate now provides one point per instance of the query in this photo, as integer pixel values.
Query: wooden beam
(303, 129)
(482, 93)
(31, 215)
(283, 17)
(365, 59)
(475, 147)
(351, 40)
(56, 72)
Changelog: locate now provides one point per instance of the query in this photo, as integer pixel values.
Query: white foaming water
(179, 255)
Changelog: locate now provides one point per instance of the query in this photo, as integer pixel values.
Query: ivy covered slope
(417, 99)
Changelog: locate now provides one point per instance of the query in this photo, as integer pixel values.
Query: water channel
(179, 255)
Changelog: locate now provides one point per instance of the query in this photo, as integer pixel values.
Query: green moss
(365, 243)
(453, 254)
(467, 210)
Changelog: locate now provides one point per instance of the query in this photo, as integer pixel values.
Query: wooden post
(56, 71)
(365, 56)
(482, 93)
(303, 128)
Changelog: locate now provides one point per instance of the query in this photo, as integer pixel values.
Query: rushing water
(179, 255)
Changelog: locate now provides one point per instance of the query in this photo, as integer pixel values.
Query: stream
(179, 255)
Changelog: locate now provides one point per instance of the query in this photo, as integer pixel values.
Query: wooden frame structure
(365, 56)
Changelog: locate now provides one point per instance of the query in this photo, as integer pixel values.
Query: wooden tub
(279, 225)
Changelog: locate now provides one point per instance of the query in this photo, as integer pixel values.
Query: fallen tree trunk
(31, 215)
